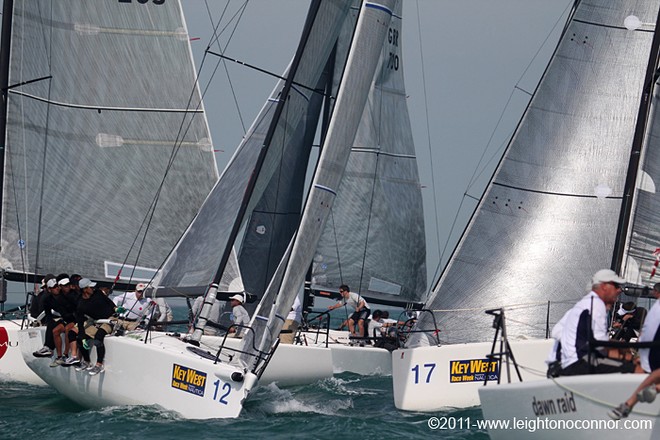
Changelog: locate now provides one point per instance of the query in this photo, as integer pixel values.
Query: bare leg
(57, 335)
(351, 326)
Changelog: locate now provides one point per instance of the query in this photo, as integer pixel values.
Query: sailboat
(181, 376)
(623, 53)
(574, 193)
(91, 120)
(374, 240)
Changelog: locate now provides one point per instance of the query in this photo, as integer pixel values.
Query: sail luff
(635, 155)
(5, 47)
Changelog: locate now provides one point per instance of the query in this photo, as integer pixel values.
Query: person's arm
(360, 306)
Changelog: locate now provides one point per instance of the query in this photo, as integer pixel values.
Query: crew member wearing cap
(69, 301)
(590, 315)
(59, 310)
(37, 312)
(135, 305)
(628, 321)
(239, 316)
(95, 305)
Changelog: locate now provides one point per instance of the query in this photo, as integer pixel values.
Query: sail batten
(133, 91)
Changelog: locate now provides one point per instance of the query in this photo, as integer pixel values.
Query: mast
(264, 149)
(211, 293)
(5, 49)
(635, 154)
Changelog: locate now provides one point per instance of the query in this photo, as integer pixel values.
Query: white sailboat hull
(163, 372)
(291, 364)
(432, 378)
(578, 404)
(367, 360)
(12, 366)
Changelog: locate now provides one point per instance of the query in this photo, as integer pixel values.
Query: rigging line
(428, 129)
(216, 38)
(7, 156)
(48, 44)
(259, 69)
(147, 220)
(477, 173)
(24, 83)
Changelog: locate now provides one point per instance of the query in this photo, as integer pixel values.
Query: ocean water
(346, 404)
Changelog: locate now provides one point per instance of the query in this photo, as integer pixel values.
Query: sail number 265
(428, 368)
(156, 2)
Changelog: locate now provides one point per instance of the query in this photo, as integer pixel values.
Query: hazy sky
(462, 63)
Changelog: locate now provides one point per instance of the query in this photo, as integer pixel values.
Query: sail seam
(588, 196)
(379, 7)
(325, 188)
(384, 153)
(97, 107)
(611, 26)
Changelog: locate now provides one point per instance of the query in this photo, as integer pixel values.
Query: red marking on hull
(4, 341)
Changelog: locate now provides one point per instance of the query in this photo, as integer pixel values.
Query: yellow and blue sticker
(188, 380)
(473, 370)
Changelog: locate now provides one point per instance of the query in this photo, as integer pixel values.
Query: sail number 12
(226, 389)
(429, 372)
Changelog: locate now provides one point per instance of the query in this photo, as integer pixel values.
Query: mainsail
(102, 105)
(549, 216)
(374, 239)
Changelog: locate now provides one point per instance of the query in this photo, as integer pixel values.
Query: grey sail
(642, 249)
(549, 216)
(275, 217)
(374, 238)
(109, 105)
(362, 63)
(193, 263)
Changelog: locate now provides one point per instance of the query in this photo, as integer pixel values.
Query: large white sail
(374, 239)
(102, 94)
(549, 217)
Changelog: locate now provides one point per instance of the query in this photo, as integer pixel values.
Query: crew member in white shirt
(361, 309)
(292, 323)
(590, 314)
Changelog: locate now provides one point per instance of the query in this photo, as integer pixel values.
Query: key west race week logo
(473, 370)
(188, 379)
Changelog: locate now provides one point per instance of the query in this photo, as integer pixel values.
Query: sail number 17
(429, 371)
